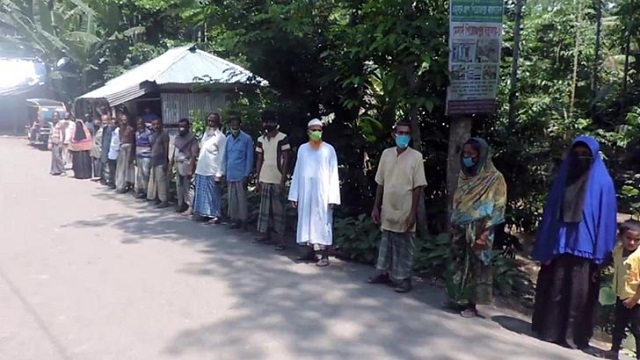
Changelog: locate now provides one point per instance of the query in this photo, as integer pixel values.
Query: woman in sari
(80, 148)
(577, 233)
(478, 206)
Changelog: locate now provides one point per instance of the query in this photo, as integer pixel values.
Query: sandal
(323, 262)
(213, 221)
(280, 247)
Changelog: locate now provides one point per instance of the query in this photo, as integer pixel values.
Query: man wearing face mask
(400, 178)
(184, 159)
(315, 191)
(209, 173)
(238, 163)
(213, 121)
(273, 151)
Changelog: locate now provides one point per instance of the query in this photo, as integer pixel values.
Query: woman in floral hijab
(478, 206)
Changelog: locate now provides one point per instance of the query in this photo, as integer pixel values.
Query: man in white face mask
(238, 164)
(315, 191)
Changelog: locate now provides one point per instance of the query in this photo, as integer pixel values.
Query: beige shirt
(399, 175)
(271, 150)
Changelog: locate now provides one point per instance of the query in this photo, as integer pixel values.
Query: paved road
(87, 274)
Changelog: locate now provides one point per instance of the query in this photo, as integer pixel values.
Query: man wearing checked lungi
(273, 150)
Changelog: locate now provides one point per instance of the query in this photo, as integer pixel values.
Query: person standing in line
(626, 264)
(70, 129)
(124, 176)
(315, 191)
(96, 150)
(90, 124)
(148, 116)
(114, 151)
(57, 141)
(238, 164)
(479, 204)
(185, 151)
(272, 164)
(158, 181)
(80, 148)
(401, 179)
(212, 119)
(576, 235)
(143, 159)
(209, 174)
(107, 135)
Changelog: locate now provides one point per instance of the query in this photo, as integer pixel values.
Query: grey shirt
(159, 148)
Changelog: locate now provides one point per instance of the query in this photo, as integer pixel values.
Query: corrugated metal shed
(190, 106)
(179, 66)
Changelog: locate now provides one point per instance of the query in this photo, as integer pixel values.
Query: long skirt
(395, 254)
(143, 173)
(158, 188)
(81, 164)
(469, 279)
(57, 160)
(272, 211)
(97, 168)
(566, 297)
(124, 167)
(207, 197)
(238, 203)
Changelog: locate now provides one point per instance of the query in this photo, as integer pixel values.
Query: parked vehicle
(39, 115)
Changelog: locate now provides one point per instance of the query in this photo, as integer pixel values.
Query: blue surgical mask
(402, 141)
(467, 161)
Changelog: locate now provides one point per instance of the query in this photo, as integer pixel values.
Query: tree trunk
(596, 60)
(515, 62)
(416, 138)
(576, 54)
(459, 132)
(627, 51)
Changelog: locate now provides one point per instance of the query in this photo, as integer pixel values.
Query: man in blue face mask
(400, 178)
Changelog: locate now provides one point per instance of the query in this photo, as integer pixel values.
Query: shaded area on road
(281, 308)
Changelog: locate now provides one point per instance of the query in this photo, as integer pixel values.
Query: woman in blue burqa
(576, 235)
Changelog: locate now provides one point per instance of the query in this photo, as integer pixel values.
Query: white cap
(314, 122)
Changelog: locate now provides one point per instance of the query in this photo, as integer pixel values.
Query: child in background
(626, 262)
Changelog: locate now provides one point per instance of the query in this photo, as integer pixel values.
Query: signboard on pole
(475, 43)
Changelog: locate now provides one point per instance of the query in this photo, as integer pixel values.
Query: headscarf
(481, 194)
(595, 235)
(81, 132)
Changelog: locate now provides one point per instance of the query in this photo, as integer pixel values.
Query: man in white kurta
(315, 191)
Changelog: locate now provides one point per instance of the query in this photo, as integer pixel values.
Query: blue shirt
(238, 156)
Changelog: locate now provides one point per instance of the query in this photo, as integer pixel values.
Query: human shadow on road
(282, 309)
(513, 324)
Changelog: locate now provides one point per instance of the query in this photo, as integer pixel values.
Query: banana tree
(83, 31)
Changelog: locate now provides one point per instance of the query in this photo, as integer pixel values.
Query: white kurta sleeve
(295, 179)
(222, 146)
(334, 179)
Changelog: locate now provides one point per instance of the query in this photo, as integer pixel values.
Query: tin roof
(178, 66)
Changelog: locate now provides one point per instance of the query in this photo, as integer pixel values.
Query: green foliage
(356, 238)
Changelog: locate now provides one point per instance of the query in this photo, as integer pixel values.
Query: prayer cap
(315, 122)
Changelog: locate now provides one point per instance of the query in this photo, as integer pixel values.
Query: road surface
(88, 274)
